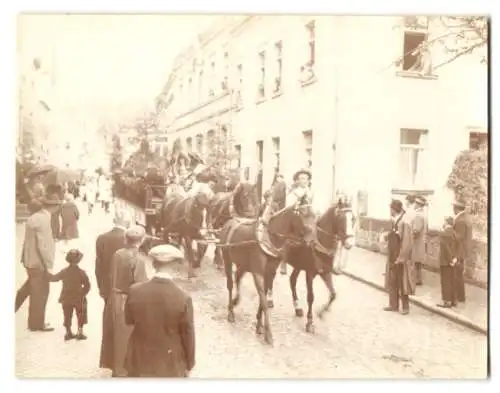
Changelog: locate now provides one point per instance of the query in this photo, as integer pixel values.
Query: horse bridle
(336, 236)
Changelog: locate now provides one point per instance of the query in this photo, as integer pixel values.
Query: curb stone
(427, 306)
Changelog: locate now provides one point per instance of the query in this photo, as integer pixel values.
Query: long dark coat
(106, 245)
(162, 343)
(69, 217)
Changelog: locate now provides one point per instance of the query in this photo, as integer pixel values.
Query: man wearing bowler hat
(399, 268)
(162, 343)
(463, 234)
(38, 259)
(419, 229)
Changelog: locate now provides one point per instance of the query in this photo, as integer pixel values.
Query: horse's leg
(269, 283)
(237, 278)
(201, 250)
(218, 260)
(293, 286)
(327, 279)
(188, 244)
(263, 309)
(228, 267)
(310, 301)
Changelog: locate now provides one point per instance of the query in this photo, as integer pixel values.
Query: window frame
(414, 174)
(262, 75)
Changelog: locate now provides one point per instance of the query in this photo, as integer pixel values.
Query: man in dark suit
(38, 259)
(463, 236)
(162, 343)
(106, 246)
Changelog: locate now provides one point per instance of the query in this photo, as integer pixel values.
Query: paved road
(356, 340)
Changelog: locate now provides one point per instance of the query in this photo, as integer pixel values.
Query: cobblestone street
(355, 340)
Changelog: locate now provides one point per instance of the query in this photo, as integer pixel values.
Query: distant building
(326, 92)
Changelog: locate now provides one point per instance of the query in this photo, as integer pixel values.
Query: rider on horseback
(203, 182)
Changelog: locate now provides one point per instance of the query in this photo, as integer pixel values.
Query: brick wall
(369, 236)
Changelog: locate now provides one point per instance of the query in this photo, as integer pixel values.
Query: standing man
(162, 343)
(463, 235)
(38, 259)
(419, 229)
(106, 246)
(128, 267)
(399, 280)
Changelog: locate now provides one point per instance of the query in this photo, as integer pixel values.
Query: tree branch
(459, 54)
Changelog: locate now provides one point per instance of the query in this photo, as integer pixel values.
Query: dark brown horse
(254, 247)
(245, 202)
(316, 258)
(182, 215)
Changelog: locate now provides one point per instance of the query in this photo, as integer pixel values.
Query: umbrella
(40, 170)
(60, 176)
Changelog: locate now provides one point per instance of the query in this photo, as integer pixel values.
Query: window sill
(238, 108)
(277, 94)
(308, 82)
(413, 190)
(260, 100)
(416, 75)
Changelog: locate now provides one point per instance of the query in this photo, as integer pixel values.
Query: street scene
(245, 205)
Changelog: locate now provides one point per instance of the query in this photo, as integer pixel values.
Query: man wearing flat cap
(419, 228)
(128, 266)
(399, 280)
(38, 259)
(463, 234)
(162, 344)
(106, 245)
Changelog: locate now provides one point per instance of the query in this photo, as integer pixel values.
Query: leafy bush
(469, 182)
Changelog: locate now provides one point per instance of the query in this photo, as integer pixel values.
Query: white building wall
(358, 104)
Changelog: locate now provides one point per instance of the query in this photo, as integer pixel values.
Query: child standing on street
(75, 287)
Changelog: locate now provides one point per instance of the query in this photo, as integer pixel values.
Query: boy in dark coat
(75, 287)
(447, 261)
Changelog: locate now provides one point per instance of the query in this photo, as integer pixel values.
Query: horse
(183, 215)
(245, 202)
(253, 247)
(316, 258)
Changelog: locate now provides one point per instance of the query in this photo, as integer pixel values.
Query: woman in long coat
(69, 216)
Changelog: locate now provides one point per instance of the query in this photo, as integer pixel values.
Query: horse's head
(337, 223)
(246, 199)
(294, 222)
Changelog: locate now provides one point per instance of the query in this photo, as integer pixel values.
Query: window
(262, 83)
(189, 144)
(211, 91)
(413, 43)
(276, 150)
(478, 140)
(308, 135)
(239, 89)
(201, 91)
(225, 77)
(190, 90)
(278, 47)
(412, 146)
(237, 149)
(311, 42)
(199, 144)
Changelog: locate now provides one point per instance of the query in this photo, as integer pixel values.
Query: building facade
(342, 95)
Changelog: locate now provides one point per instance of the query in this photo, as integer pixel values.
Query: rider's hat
(302, 172)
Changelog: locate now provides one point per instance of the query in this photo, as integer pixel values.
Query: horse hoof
(299, 312)
(270, 303)
(268, 339)
(259, 330)
(230, 318)
(310, 328)
(320, 314)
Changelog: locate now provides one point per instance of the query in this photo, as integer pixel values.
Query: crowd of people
(407, 252)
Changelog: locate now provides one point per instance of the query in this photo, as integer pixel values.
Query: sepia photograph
(252, 196)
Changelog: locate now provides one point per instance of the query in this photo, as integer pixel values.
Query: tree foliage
(455, 36)
(469, 182)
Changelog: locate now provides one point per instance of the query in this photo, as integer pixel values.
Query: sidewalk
(369, 267)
